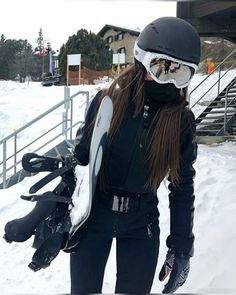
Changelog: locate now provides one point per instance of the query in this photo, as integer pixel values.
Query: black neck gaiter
(161, 93)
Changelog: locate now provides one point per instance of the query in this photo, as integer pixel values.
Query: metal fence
(216, 83)
(50, 132)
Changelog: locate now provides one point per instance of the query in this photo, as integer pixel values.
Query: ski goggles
(165, 69)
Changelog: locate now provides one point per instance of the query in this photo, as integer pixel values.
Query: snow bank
(212, 267)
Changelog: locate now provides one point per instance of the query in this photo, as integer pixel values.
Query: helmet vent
(154, 28)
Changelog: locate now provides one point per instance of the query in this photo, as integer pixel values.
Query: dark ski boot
(49, 220)
(20, 230)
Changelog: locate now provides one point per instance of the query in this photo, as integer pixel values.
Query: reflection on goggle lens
(165, 69)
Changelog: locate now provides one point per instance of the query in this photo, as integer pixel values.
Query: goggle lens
(166, 71)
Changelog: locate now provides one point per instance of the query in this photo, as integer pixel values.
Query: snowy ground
(213, 265)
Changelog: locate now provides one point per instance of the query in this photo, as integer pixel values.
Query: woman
(151, 137)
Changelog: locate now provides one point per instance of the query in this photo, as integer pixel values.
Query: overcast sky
(59, 19)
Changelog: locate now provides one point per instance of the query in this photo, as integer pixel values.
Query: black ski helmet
(171, 36)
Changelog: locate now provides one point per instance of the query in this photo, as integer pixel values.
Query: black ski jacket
(127, 173)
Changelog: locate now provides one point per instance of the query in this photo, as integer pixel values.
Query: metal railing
(66, 123)
(227, 105)
(219, 69)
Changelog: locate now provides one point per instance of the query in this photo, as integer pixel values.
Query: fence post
(226, 106)
(219, 80)
(4, 164)
(15, 152)
(87, 103)
(65, 113)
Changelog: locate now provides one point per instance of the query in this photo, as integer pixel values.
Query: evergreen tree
(18, 59)
(21, 64)
(3, 61)
(40, 42)
(40, 54)
(95, 52)
(8, 51)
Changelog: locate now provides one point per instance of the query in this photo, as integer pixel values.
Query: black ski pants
(137, 246)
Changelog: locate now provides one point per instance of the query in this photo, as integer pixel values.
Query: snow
(81, 204)
(213, 265)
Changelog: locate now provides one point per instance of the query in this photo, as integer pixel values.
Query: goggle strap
(141, 54)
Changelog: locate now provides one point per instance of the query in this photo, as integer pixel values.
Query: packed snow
(81, 203)
(213, 265)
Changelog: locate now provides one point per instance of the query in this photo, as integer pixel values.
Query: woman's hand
(177, 265)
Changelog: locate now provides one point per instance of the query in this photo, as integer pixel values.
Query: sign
(73, 59)
(118, 58)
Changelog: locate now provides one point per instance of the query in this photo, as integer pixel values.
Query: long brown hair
(164, 146)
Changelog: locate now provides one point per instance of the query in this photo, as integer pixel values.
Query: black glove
(177, 265)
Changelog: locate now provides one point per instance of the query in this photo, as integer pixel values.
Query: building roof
(107, 27)
(210, 18)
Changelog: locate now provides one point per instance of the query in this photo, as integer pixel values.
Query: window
(119, 37)
(121, 50)
(109, 39)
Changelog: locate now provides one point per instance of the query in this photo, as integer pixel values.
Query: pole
(43, 65)
(67, 73)
(118, 64)
(65, 113)
(4, 165)
(219, 80)
(226, 106)
(15, 152)
(79, 74)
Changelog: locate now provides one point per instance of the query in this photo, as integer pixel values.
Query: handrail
(219, 65)
(68, 107)
(214, 71)
(213, 85)
(33, 141)
(226, 103)
(64, 101)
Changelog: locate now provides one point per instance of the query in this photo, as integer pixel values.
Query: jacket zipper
(145, 117)
(145, 111)
(149, 230)
(137, 140)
